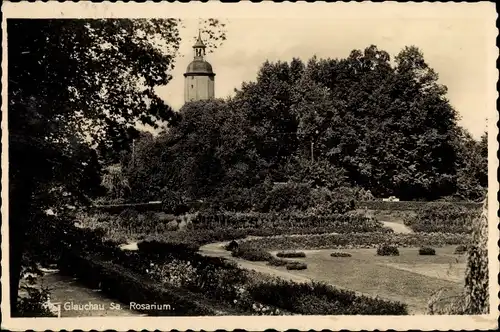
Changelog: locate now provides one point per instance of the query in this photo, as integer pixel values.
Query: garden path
(398, 227)
(64, 289)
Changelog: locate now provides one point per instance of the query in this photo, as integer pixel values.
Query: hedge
(321, 299)
(355, 240)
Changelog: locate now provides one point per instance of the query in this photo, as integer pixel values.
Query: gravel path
(397, 227)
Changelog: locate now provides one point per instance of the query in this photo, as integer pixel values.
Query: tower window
(192, 86)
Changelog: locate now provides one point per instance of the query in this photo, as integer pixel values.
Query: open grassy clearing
(409, 278)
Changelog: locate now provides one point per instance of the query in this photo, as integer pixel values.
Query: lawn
(408, 278)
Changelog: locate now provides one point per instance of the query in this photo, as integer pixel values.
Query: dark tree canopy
(75, 85)
(361, 121)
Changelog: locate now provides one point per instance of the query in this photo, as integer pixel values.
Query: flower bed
(321, 299)
(447, 218)
(340, 254)
(292, 254)
(356, 240)
(288, 223)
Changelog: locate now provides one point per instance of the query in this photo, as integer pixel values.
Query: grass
(408, 278)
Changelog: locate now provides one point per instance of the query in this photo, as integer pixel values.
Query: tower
(199, 76)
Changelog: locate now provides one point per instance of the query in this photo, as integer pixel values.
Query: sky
(456, 46)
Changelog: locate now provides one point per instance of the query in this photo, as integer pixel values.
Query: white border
(53, 9)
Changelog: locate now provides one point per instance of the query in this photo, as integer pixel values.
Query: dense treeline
(344, 125)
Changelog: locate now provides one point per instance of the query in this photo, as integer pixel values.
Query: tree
(72, 85)
(392, 128)
(472, 166)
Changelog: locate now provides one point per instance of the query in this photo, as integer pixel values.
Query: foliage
(76, 88)
(288, 223)
(472, 166)
(442, 218)
(427, 251)
(387, 250)
(127, 286)
(475, 298)
(461, 249)
(296, 266)
(354, 240)
(233, 245)
(321, 299)
(291, 254)
(476, 274)
(340, 254)
(34, 304)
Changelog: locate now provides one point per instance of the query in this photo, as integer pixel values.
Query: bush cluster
(387, 250)
(291, 254)
(446, 218)
(460, 249)
(355, 240)
(321, 299)
(340, 254)
(427, 251)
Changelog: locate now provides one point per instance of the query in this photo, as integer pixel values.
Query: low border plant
(387, 250)
(340, 254)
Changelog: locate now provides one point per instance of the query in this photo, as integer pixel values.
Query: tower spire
(199, 47)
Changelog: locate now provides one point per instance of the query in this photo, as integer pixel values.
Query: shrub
(460, 249)
(254, 255)
(291, 254)
(233, 245)
(387, 250)
(278, 262)
(296, 266)
(340, 254)
(427, 251)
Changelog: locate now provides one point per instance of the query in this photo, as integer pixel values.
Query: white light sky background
(456, 47)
